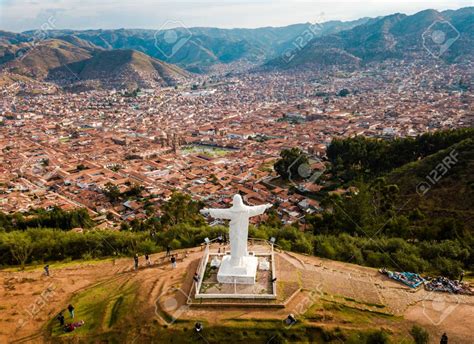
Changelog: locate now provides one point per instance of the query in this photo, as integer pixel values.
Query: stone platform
(240, 274)
(240, 282)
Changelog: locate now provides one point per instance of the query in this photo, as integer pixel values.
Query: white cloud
(20, 15)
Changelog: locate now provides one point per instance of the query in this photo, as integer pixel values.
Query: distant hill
(36, 61)
(120, 69)
(78, 42)
(69, 60)
(395, 36)
(12, 37)
(200, 48)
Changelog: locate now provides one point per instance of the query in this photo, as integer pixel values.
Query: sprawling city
(209, 138)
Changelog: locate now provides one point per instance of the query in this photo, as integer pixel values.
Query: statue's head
(237, 202)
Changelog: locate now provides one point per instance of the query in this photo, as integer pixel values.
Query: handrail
(201, 270)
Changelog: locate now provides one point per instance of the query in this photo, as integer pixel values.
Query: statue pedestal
(242, 274)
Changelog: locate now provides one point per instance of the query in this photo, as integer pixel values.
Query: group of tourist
(173, 259)
(69, 327)
(222, 239)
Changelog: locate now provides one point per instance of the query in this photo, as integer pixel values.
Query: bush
(54, 218)
(42, 244)
(302, 245)
(175, 244)
(284, 244)
(325, 249)
(378, 337)
(419, 334)
(87, 256)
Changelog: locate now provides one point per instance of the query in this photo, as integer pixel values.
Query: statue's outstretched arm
(258, 209)
(217, 213)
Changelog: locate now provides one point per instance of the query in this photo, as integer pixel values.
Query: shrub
(419, 334)
(378, 337)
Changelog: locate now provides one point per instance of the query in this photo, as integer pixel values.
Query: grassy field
(212, 152)
(102, 307)
(57, 265)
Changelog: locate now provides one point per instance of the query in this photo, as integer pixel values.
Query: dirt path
(438, 312)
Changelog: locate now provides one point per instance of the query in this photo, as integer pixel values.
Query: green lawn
(102, 307)
(212, 152)
(57, 265)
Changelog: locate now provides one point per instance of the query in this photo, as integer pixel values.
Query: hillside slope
(37, 61)
(119, 304)
(441, 185)
(119, 68)
(395, 36)
(69, 60)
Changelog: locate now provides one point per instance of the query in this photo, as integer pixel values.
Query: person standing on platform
(136, 261)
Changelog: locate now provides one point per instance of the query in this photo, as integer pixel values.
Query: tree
(291, 159)
(134, 191)
(21, 246)
(273, 220)
(112, 191)
(371, 157)
(181, 208)
(343, 93)
(419, 334)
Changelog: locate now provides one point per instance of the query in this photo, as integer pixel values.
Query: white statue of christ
(238, 215)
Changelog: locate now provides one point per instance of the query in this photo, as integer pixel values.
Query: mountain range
(146, 58)
(448, 35)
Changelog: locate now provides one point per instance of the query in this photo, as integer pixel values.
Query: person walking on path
(462, 276)
(70, 308)
(196, 277)
(136, 261)
(168, 251)
(173, 261)
(147, 259)
(46, 269)
(444, 339)
(60, 318)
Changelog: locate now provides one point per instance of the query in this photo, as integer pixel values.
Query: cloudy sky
(20, 15)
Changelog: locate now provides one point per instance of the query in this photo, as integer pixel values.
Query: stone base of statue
(244, 273)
